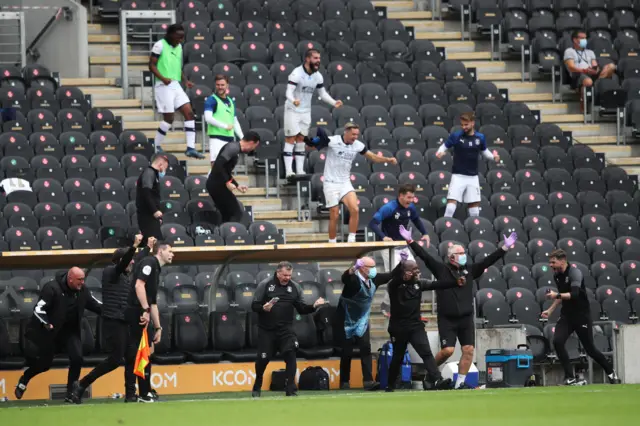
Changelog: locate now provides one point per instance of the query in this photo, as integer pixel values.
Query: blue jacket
(386, 222)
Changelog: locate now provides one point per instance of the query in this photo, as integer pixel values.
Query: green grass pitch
(598, 405)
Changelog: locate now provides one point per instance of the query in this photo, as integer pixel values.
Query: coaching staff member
(351, 321)
(455, 305)
(221, 183)
(574, 317)
(55, 326)
(142, 307)
(116, 283)
(406, 326)
(148, 198)
(275, 300)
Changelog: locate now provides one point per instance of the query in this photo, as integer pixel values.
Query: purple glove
(511, 240)
(405, 233)
(404, 256)
(359, 264)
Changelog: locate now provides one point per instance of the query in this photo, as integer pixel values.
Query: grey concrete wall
(64, 48)
(628, 345)
(497, 338)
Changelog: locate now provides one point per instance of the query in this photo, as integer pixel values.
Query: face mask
(583, 43)
(373, 272)
(462, 259)
(161, 174)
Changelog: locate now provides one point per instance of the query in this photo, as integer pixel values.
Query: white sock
(299, 156)
(351, 238)
(333, 240)
(190, 130)
(474, 211)
(450, 210)
(288, 159)
(161, 132)
(460, 380)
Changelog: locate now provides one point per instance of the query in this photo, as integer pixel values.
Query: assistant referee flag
(142, 357)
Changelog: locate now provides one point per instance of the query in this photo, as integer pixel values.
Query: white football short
(296, 123)
(464, 188)
(335, 192)
(170, 98)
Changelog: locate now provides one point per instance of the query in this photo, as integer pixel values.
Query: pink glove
(404, 256)
(405, 233)
(511, 240)
(359, 263)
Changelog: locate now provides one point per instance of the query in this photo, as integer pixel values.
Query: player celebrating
(337, 173)
(303, 82)
(220, 115)
(166, 64)
(464, 185)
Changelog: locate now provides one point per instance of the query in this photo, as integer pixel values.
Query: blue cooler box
(508, 368)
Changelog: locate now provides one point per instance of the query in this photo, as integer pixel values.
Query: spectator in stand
(582, 65)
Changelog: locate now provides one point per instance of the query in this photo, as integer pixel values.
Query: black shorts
(272, 342)
(461, 328)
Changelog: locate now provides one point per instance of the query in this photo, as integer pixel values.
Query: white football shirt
(340, 156)
(306, 85)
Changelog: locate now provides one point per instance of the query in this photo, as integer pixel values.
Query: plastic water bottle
(116, 396)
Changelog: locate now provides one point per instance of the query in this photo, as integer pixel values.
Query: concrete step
(596, 140)
(616, 151)
(260, 205)
(412, 14)
(456, 46)
(103, 29)
(115, 71)
(486, 66)
(136, 115)
(580, 129)
(117, 103)
(531, 97)
(106, 49)
(103, 38)
(143, 125)
(423, 24)
(632, 171)
(395, 6)
(515, 86)
(115, 60)
(102, 92)
(468, 56)
(439, 35)
(295, 227)
(172, 137)
(66, 81)
(549, 107)
(497, 77)
(314, 237)
(630, 161)
(276, 215)
(562, 118)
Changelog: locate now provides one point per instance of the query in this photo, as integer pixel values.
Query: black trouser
(116, 334)
(227, 203)
(149, 227)
(144, 385)
(401, 337)
(347, 345)
(67, 340)
(583, 327)
(270, 342)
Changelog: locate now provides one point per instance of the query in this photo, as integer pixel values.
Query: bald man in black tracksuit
(406, 326)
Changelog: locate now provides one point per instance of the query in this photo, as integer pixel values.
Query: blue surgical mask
(462, 259)
(583, 43)
(373, 272)
(161, 174)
